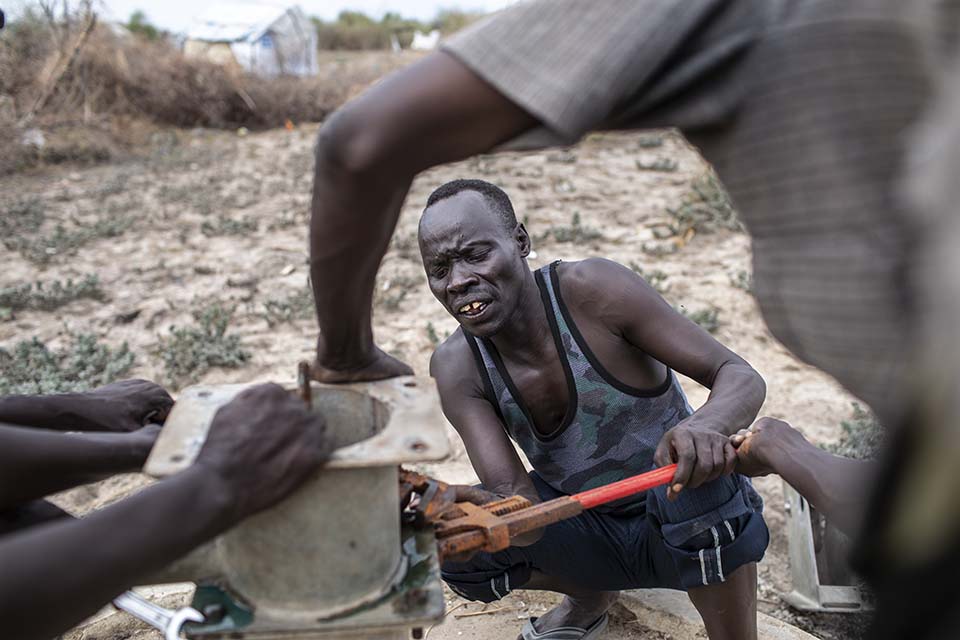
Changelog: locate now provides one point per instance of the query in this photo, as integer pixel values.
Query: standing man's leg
(368, 153)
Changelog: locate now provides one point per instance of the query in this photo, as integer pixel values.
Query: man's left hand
(702, 455)
(124, 406)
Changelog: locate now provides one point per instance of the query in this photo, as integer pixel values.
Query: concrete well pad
(672, 613)
(654, 614)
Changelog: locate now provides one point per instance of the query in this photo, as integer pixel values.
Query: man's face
(475, 266)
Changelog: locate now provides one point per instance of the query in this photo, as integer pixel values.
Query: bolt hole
(409, 383)
(418, 445)
(177, 457)
(204, 394)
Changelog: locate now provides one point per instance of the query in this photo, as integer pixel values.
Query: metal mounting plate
(413, 426)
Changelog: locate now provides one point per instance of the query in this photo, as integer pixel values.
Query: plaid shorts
(696, 540)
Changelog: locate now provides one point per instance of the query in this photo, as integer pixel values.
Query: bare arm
(36, 463)
(77, 566)
(261, 447)
(119, 406)
(432, 112)
(491, 453)
(699, 444)
(835, 485)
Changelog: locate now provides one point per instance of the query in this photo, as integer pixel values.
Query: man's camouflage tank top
(610, 430)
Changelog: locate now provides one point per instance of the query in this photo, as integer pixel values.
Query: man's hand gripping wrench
(169, 621)
(463, 524)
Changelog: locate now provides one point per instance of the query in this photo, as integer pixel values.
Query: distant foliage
(862, 436)
(356, 31)
(708, 319)
(432, 335)
(392, 291)
(705, 208)
(49, 296)
(32, 368)
(189, 352)
(42, 248)
(224, 226)
(21, 217)
(656, 278)
(650, 140)
(575, 232)
(296, 306)
(665, 165)
(139, 25)
(452, 20)
(742, 280)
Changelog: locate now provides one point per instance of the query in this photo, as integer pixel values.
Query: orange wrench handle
(626, 487)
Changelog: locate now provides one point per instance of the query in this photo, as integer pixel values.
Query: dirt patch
(160, 267)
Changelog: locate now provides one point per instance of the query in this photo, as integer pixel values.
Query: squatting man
(574, 362)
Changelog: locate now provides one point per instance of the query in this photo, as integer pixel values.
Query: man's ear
(523, 239)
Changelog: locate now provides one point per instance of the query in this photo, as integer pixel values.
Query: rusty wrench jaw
(463, 528)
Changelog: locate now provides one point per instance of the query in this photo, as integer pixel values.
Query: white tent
(262, 38)
(425, 41)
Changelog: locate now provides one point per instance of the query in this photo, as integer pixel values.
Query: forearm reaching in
(835, 485)
(103, 563)
(36, 463)
(120, 406)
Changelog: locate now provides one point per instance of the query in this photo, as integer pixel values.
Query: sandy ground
(163, 267)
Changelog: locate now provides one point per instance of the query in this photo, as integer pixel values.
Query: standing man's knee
(351, 144)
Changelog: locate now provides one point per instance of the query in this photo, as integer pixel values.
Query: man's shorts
(699, 539)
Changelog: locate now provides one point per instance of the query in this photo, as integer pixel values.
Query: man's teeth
(471, 306)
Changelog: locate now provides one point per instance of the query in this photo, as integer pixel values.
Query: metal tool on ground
(169, 621)
(463, 527)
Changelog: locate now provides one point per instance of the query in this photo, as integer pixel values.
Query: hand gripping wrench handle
(169, 621)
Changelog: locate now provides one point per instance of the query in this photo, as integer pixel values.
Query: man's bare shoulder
(600, 278)
(452, 365)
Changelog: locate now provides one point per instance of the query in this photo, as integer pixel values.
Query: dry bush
(154, 80)
(116, 78)
(24, 47)
(360, 37)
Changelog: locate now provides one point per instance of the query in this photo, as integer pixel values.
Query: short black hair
(494, 195)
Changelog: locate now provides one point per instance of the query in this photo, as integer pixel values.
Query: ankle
(594, 604)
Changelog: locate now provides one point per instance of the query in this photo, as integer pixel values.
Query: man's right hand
(262, 445)
(379, 366)
(759, 446)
